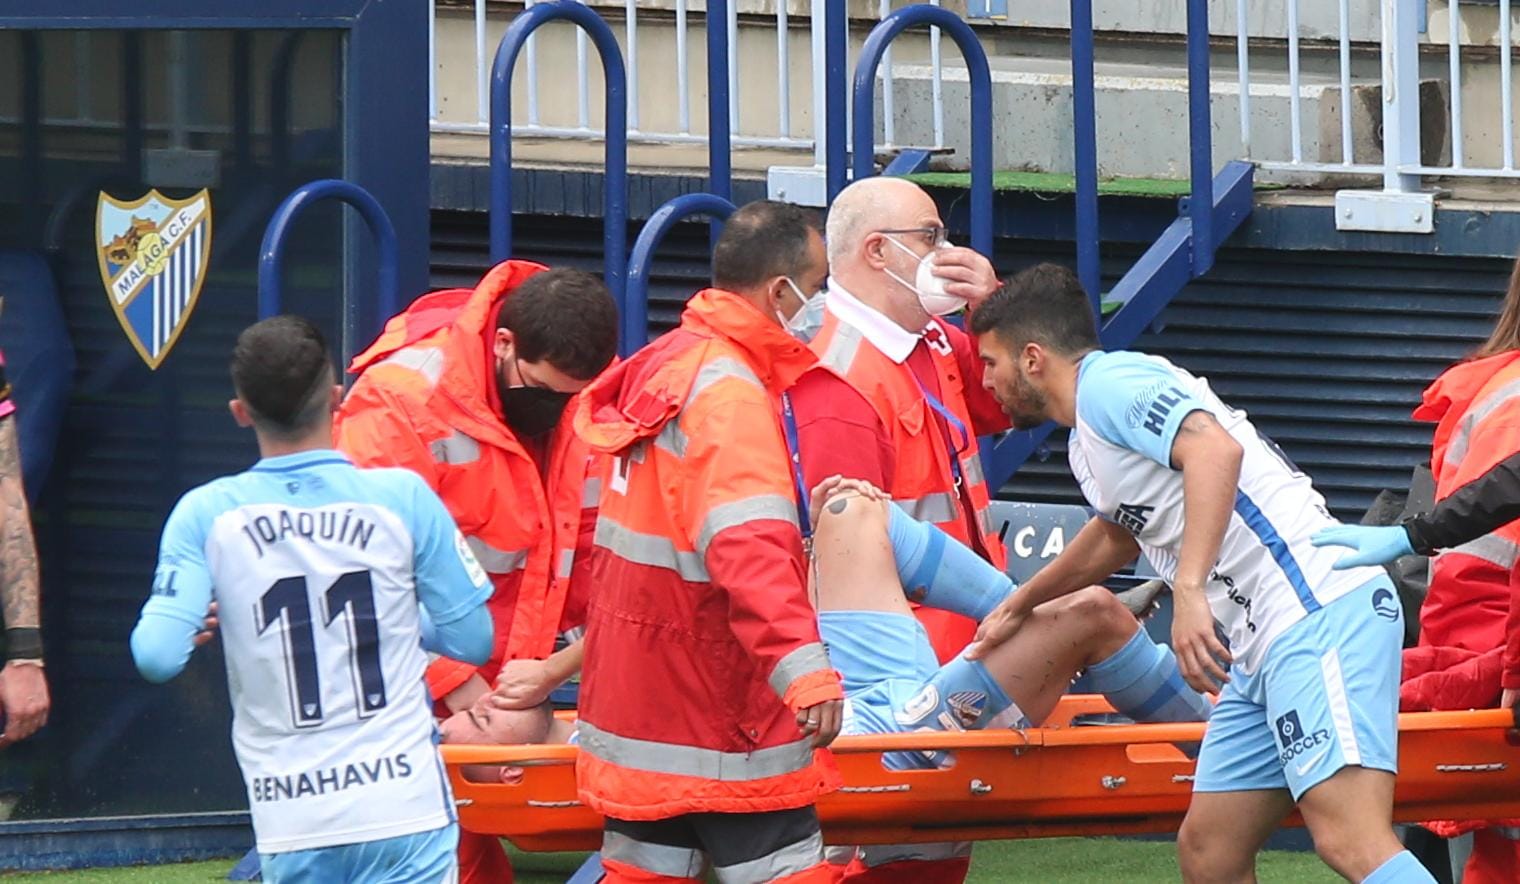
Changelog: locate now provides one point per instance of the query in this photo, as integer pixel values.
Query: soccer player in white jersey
(317, 570)
(1307, 712)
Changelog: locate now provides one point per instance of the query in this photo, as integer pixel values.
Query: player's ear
(335, 397)
(240, 413)
(504, 344)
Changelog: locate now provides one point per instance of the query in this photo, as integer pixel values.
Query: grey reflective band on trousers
(789, 860)
(936, 508)
(694, 761)
(649, 549)
(659, 859)
(497, 561)
(805, 660)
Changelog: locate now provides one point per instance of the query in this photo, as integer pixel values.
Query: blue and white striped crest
(153, 255)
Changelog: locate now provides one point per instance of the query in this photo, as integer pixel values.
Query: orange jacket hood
(634, 399)
(1449, 396)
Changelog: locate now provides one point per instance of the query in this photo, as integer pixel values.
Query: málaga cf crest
(153, 255)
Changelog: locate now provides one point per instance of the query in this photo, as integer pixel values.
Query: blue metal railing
(277, 233)
(1084, 118)
(980, 75)
(1215, 207)
(615, 180)
(635, 320)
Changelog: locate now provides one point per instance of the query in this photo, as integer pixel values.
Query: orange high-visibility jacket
(1477, 406)
(424, 401)
(923, 482)
(701, 642)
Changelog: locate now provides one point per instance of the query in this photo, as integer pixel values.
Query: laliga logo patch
(1384, 605)
(967, 706)
(153, 253)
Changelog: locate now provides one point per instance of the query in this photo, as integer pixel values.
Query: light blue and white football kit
(894, 683)
(318, 569)
(1314, 683)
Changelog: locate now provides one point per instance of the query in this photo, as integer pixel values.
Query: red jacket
(701, 644)
(426, 400)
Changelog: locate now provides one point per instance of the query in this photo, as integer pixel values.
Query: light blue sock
(1401, 868)
(1142, 682)
(940, 572)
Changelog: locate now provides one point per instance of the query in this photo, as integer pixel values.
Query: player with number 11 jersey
(328, 580)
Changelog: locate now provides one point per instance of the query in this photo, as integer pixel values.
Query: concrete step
(1142, 117)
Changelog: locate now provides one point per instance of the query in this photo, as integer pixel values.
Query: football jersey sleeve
(450, 582)
(1133, 402)
(165, 633)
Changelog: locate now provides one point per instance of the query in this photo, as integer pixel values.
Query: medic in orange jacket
(702, 645)
(427, 400)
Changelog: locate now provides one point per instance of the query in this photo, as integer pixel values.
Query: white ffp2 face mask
(929, 287)
(808, 319)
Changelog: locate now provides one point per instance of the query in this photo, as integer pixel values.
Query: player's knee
(850, 515)
(1100, 611)
(1347, 848)
(1202, 857)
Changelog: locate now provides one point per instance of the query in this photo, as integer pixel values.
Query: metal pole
(1085, 146)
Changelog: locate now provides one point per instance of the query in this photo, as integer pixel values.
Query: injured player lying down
(482, 724)
(872, 559)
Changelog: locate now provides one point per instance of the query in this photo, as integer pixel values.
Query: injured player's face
(1025, 404)
(484, 725)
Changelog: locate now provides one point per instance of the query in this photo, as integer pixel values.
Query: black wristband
(23, 643)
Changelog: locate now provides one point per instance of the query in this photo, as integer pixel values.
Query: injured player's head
(482, 724)
(1032, 335)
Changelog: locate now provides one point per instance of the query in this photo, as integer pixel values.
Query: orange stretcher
(1056, 780)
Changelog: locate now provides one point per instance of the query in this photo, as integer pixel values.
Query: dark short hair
(282, 370)
(762, 240)
(1045, 304)
(566, 317)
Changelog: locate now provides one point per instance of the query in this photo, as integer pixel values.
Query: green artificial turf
(1045, 861)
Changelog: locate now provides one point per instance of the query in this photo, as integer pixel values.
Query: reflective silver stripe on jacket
(649, 549)
(1495, 549)
(455, 448)
(1456, 450)
(693, 761)
(738, 512)
(805, 660)
(936, 508)
(427, 361)
(497, 561)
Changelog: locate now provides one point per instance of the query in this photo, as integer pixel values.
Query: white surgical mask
(929, 288)
(806, 322)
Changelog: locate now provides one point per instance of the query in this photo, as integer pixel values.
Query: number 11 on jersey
(286, 601)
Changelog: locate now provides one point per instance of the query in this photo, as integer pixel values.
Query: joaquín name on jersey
(1129, 406)
(318, 569)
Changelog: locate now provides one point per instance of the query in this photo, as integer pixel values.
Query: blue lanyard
(951, 422)
(790, 425)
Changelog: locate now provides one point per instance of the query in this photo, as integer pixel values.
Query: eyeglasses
(932, 236)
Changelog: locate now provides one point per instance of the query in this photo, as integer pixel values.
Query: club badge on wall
(153, 255)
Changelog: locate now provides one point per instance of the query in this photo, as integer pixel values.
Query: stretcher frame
(1059, 779)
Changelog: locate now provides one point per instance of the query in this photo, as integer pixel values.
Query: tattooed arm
(23, 690)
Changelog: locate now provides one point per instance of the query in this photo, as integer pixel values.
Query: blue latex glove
(1374, 545)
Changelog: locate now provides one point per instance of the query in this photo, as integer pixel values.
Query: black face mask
(531, 411)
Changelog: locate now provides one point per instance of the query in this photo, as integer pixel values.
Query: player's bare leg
(1348, 816)
(857, 572)
(1223, 832)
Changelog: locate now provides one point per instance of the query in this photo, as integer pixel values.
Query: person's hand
(996, 628)
(822, 722)
(967, 274)
(1373, 545)
(834, 486)
(1199, 651)
(523, 684)
(208, 629)
(23, 700)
